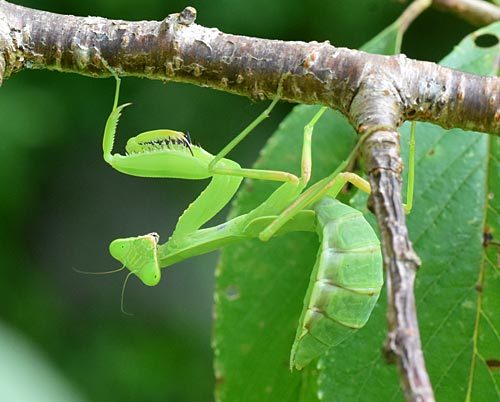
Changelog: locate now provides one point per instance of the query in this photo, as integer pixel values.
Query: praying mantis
(347, 277)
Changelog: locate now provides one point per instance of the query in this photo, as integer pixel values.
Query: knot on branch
(187, 16)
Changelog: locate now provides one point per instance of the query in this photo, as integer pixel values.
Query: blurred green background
(60, 205)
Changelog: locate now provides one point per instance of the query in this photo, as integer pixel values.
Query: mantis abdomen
(345, 282)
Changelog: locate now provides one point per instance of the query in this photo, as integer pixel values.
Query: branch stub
(187, 16)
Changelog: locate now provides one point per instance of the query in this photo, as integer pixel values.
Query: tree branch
(403, 340)
(476, 12)
(178, 49)
(377, 93)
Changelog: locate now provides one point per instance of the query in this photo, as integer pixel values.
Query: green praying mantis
(347, 277)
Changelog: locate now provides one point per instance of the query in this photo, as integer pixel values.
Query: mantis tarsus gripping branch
(347, 277)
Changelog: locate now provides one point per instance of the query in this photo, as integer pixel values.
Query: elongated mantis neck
(200, 242)
(242, 227)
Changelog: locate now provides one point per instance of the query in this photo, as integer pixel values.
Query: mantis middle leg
(332, 184)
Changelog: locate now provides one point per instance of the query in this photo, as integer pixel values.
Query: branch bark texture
(403, 345)
(377, 93)
(180, 50)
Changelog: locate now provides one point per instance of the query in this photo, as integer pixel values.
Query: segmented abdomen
(345, 282)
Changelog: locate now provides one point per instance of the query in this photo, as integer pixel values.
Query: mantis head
(140, 256)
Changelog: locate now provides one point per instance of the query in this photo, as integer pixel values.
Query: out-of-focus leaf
(26, 376)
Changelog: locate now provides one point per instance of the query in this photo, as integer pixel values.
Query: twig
(378, 115)
(476, 12)
(411, 12)
(403, 339)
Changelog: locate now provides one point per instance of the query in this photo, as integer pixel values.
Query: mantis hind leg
(331, 185)
(275, 175)
(269, 174)
(314, 193)
(293, 185)
(272, 175)
(411, 170)
(247, 130)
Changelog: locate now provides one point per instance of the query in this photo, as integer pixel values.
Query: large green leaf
(255, 302)
(260, 286)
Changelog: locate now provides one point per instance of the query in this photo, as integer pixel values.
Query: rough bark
(403, 341)
(178, 49)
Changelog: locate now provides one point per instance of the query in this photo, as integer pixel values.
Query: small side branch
(476, 12)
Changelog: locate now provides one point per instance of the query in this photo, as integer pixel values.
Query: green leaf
(456, 183)
(260, 287)
(471, 323)
(484, 373)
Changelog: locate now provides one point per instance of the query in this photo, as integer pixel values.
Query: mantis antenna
(122, 299)
(99, 272)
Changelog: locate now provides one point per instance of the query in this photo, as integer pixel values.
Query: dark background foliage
(60, 204)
